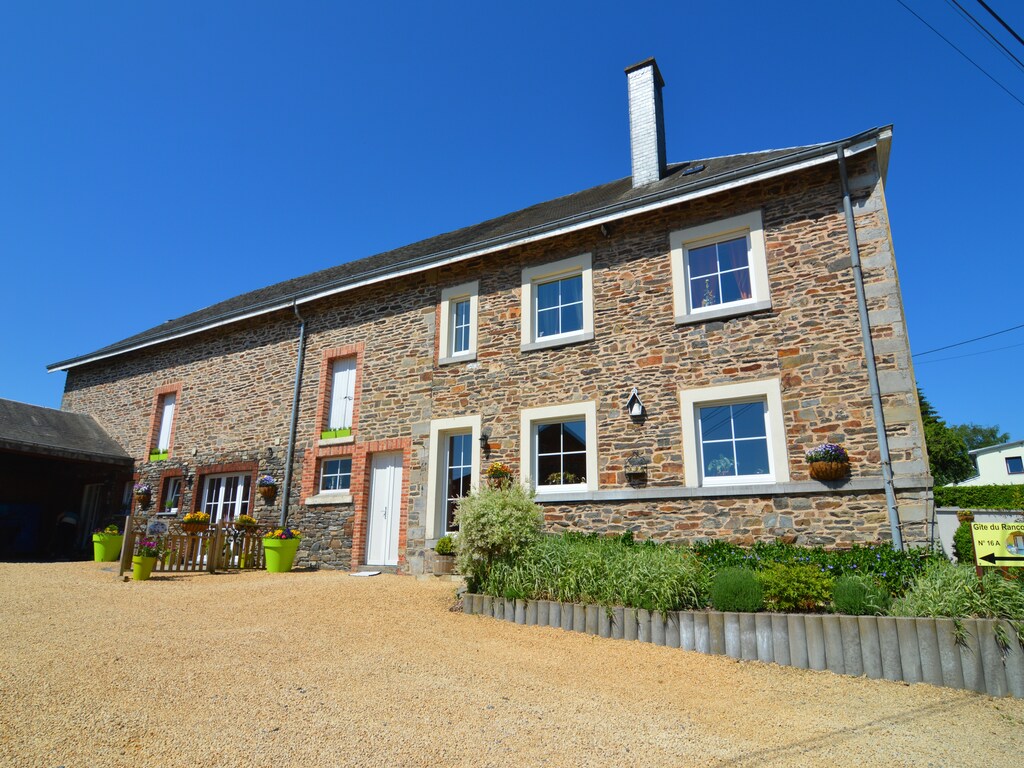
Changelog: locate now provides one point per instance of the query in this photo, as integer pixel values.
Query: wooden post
(127, 544)
(214, 552)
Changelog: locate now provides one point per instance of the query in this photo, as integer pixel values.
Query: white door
(385, 503)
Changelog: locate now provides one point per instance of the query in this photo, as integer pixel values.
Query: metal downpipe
(286, 486)
(869, 353)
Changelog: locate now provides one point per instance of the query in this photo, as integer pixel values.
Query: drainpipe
(286, 489)
(869, 353)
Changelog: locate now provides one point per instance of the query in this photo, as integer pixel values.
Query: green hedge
(981, 496)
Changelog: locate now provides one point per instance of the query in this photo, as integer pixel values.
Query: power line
(969, 354)
(992, 39)
(969, 341)
(996, 16)
(951, 45)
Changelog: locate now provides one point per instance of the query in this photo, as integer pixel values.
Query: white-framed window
(343, 393)
(1014, 465)
(733, 434)
(459, 323)
(453, 466)
(720, 269)
(336, 475)
(167, 403)
(225, 497)
(558, 447)
(458, 476)
(557, 303)
(171, 496)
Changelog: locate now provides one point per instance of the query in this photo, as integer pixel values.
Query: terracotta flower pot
(829, 470)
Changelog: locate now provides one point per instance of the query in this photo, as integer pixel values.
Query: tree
(977, 436)
(947, 449)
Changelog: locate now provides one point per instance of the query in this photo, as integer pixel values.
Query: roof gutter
(806, 158)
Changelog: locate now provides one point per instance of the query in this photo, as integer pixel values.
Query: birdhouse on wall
(635, 407)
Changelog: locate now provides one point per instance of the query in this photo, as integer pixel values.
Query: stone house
(654, 354)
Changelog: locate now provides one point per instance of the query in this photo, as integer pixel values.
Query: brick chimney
(646, 122)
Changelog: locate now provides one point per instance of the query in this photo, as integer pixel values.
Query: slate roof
(33, 429)
(616, 196)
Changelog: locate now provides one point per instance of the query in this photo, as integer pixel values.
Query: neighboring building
(998, 465)
(61, 476)
(722, 290)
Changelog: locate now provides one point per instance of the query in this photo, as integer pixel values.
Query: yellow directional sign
(1000, 544)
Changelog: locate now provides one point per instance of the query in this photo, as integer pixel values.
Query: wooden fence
(221, 547)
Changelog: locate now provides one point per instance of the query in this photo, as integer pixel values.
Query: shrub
(445, 546)
(795, 587)
(495, 523)
(952, 591)
(736, 589)
(963, 544)
(980, 496)
(860, 596)
(606, 571)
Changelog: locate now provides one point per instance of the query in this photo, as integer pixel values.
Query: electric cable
(968, 341)
(998, 18)
(992, 39)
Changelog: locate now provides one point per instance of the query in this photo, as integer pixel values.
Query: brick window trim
(161, 489)
(237, 468)
(310, 483)
(154, 417)
(328, 356)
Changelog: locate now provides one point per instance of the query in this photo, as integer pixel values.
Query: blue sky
(156, 158)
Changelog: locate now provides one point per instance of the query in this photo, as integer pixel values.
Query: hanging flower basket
(829, 461)
(195, 522)
(830, 470)
(267, 487)
(245, 523)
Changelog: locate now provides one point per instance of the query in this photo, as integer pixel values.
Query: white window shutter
(343, 391)
(166, 420)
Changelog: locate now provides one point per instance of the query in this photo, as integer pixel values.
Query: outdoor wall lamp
(485, 445)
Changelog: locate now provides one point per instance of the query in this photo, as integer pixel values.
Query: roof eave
(790, 163)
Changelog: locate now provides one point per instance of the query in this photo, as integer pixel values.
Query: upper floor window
(161, 434)
(458, 330)
(558, 303)
(1014, 465)
(343, 395)
(720, 269)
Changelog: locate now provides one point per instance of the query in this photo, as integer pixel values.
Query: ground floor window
(559, 447)
(734, 440)
(458, 475)
(335, 475)
(225, 497)
(171, 495)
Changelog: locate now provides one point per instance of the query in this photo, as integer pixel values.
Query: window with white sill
(720, 269)
(335, 475)
(343, 394)
(559, 447)
(558, 303)
(459, 323)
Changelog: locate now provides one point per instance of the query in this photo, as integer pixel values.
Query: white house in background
(999, 465)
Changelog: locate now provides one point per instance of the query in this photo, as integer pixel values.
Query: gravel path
(322, 669)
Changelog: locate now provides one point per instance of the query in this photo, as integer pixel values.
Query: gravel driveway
(322, 669)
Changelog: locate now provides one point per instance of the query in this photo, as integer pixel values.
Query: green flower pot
(106, 547)
(280, 554)
(142, 567)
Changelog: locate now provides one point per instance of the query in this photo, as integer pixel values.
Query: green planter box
(159, 455)
(330, 434)
(106, 547)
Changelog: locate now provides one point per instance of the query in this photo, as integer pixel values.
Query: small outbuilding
(61, 476)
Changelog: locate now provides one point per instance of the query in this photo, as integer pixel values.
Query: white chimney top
(646, 122)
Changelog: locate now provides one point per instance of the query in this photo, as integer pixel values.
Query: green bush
(795, 587)
(954, 591)
(736, 589)
(860, 596)
(963, 544)
(896, 570)
(495, 524)
(445, 546)
(605, 571)
(980, 496)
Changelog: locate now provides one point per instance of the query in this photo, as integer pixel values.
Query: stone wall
(237, 380)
